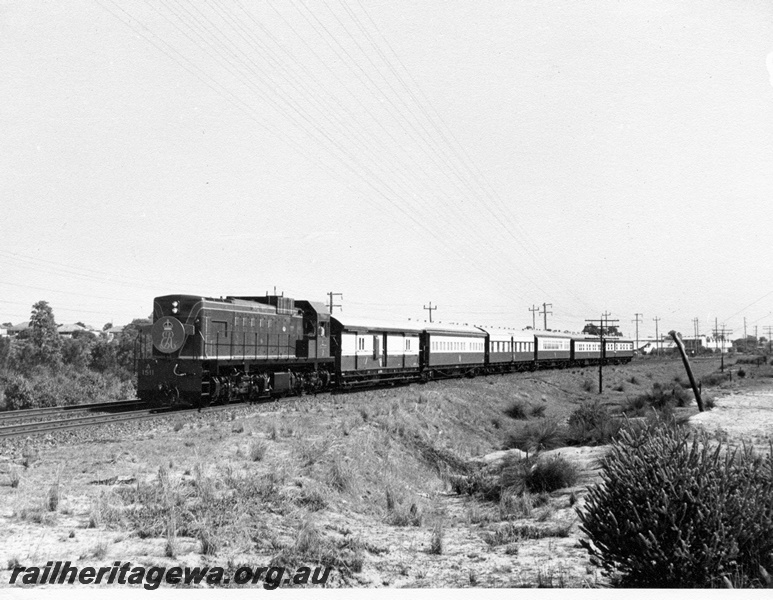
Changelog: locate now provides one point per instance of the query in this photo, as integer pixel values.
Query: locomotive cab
(316, 330)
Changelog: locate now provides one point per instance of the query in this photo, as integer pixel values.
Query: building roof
(70, 328)
(19, 326)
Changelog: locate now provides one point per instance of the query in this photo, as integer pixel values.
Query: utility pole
(332, 306)
(719, 335)
(696, 331)
(769, 332)
(604, 319)
(657, 335)
(637, 320)
(745, 340)
(695, 390)
(430, 308)
(534, 310)
(545, 313)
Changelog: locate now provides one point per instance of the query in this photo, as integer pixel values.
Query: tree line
(40, 367)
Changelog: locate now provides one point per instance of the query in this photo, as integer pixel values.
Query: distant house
(708, 342)
(648, 346)
(113, 332)
(692, 345)
(69, 329)
(18, 328)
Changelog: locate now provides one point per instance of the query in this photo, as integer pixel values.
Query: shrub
(486, 485)
(671, 512)
(19, 394)
(661, 398)
(591, 424)
(516, 410)
(715, 379)
(551, 474)
(543, 434)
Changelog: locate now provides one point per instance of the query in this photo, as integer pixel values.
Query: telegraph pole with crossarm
(430, 308)
(534, 310)
(330, 296)
(637, 320)
(545, 312)
(603, 322)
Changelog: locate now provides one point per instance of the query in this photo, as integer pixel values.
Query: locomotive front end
(172, 375)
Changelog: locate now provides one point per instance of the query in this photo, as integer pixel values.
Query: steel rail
(8, 431)
(33, 413)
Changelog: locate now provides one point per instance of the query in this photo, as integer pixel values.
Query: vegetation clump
(536, 436)
(591, 424)
(678, 512)
(517, 410)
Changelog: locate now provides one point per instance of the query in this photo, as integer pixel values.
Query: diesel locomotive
(219, 350)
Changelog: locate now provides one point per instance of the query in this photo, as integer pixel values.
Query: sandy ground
(740, 417)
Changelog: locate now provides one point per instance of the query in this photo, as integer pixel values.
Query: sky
(479, 157)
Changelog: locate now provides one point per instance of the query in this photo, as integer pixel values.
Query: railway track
(23, 429)
(37, 413)
(138, 414)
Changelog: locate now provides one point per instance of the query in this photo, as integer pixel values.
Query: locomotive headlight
(175, 306)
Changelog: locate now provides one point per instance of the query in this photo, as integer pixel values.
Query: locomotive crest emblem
(168, 335)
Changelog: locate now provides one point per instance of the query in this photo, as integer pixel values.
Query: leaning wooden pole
(687, 368)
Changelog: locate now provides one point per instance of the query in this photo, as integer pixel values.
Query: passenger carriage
(373, 350)
(586, 350)
(553, 349)
(451, 350)
(509, 350)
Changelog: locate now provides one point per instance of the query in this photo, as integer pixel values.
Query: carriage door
(377, 350)
(384, 352)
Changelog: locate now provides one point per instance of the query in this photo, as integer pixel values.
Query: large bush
(51, 388)
(19, 393)
(675, 512)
